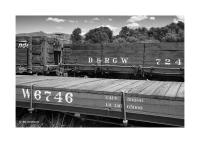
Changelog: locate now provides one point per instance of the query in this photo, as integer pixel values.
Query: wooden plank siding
(110, 57)
(172, 51)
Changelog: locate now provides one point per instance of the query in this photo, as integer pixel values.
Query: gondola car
(37, 54)
(132, 60)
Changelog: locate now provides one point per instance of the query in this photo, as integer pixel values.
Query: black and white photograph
(83, 71)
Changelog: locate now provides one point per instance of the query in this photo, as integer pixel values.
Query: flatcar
(37, 54)
(132, 60)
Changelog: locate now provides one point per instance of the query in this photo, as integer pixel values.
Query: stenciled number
(167, 62)
(37, 94)
(68, 97)
(158, 61)
(48, 93)
(178, 62)
(58, 97)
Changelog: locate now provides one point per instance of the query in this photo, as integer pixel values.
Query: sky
(66, 24)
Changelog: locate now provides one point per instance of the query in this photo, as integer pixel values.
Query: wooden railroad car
(134, 59)
(37, 54)
(151, 101)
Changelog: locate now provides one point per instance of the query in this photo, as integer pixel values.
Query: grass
(42, 119)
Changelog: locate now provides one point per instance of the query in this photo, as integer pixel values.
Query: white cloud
(96, 19)
(178, 18)
(152, 18)
(91, 20)
(132, 21)
(136, 18)
(109, 19)
(83, 31)
(133, 25)
(58, 20)
(59, 27)
(113, 28)
(175, 20)
(72, 21)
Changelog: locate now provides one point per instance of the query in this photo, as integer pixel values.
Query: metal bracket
(125, 121)
(31, 109)
(151, 70)
(135, 70)
(78, 115)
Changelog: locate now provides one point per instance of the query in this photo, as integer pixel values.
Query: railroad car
(42, 54)
(37, 54)
(144, 60)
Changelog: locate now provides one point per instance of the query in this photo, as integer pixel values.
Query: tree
(170, 37)
(119, 40)
(98, 35)
(180, 25)
(75, 36)
(125, 32)
(131, 39)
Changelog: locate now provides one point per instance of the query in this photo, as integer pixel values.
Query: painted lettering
(129, 99)
(58, 97)
(45, 96)
(23, 45)
(68, 97)
(48, 93)
(167, 62)
(133, 107)
(114, 60)
(37, 94)
(106, 60)
(124, 60)
(115, 105)
(178, 62)
(90, 60)
(108, 104)
(118, 105)
(98, 60)
(158, 61)
(25, 93)
(110, 97)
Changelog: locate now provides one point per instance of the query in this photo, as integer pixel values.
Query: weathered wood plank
(162, 89)
(180, 92)
(111, 86)
(140, 87)
(53, 83)
(132, 86)
(32, 79)
(85, 85)
(100, 84)
(113, 82)
(76, 82)
(172, 91)
(119, 86)
(126, 87)
(92, 85)
(150, 89)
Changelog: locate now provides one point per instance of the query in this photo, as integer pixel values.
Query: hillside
(61, 36)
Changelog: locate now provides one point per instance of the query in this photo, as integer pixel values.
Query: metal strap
(125, 121)
(31, 109)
